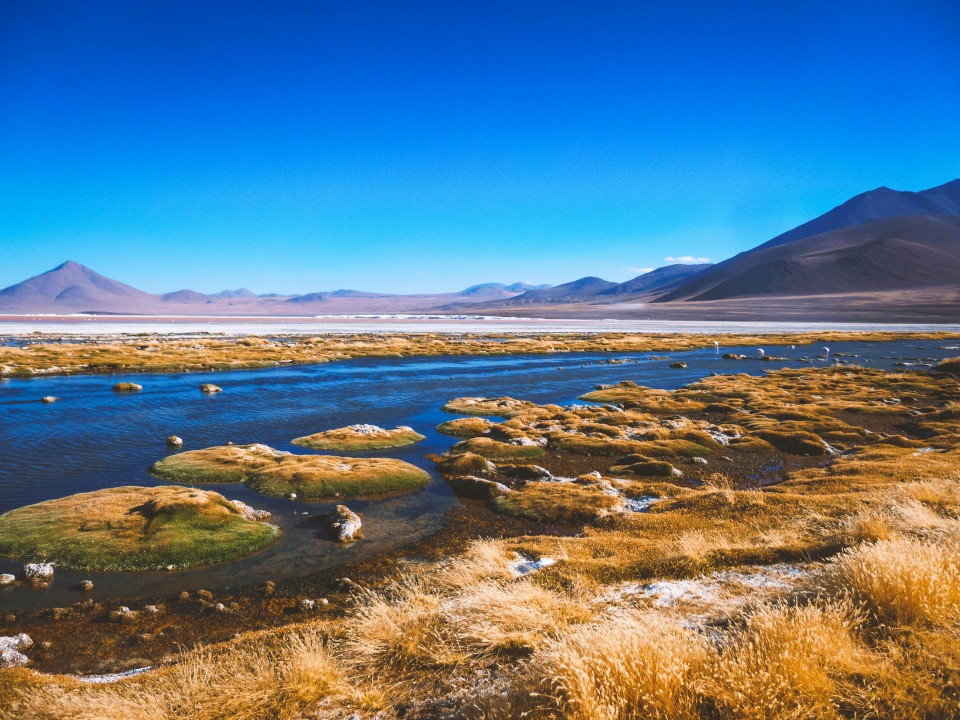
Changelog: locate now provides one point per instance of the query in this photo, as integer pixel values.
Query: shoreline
(107, 354)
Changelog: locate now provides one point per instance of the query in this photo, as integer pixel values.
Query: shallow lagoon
(93, 438)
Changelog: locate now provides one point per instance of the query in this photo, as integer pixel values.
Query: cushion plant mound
(951, 366)
(797, 442)
(556, 502)
(465, 427)
(467, 464)
(497, 407)
(132, 528)
(495, 450)
(360, 437)
(277, 473)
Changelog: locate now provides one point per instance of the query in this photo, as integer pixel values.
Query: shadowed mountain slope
(659, 280)
(878, 204)
(901, 253)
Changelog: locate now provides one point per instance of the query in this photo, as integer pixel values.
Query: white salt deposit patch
(367, 429)
(720, 591)
(524, 566)
(112, 677)
(641, 504)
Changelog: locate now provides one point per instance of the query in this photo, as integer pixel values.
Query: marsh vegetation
(672, 575)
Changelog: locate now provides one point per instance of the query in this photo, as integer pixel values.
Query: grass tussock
(627, 668)
(275, 473)
(132, 528)
(900, 581)
(266, 678)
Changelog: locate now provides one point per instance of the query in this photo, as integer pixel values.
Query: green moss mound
(132, 528)
(360, 437)
(276, 473)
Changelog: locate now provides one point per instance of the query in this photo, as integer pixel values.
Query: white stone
(524, 566)
(38, 571)
(7, 579)
(250, 513)
(344, 523)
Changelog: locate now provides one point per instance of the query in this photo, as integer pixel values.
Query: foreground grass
(866, 628)
(147, 354)
(275, 473)
(132, 528)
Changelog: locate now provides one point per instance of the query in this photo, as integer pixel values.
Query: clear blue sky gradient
(420, 147)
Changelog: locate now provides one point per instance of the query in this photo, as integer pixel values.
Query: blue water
(93, 438)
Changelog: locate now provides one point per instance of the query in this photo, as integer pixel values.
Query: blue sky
(419, 147)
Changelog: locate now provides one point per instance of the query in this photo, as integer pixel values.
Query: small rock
(86, 585)
(10, 658)
(697, 460)
(7, 579)
(170, 568)
(151, 609)
(305, 605)
(269, 587)
(184, 595)
(291, 496)
(174, 441)
(49, 399)
(344, 524)
(41, 572)
(123, 614)
(16, 642)
(470, 486)
(323, 601)
(204, 594)
(679, 365)
(220, 608)
(58, 613)
(250, 513)
(124, 387)
(9, 618)
(210, 388)
(525, 472)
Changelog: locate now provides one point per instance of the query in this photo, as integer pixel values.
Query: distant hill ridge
(879, 241)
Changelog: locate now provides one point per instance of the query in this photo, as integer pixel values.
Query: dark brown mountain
(571, 292)
(656, 281)
(900, 253)
(864, 208)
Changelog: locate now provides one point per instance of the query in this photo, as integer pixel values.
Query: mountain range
(884, 254)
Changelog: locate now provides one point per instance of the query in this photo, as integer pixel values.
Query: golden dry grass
(871, 632)
(158, 354)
